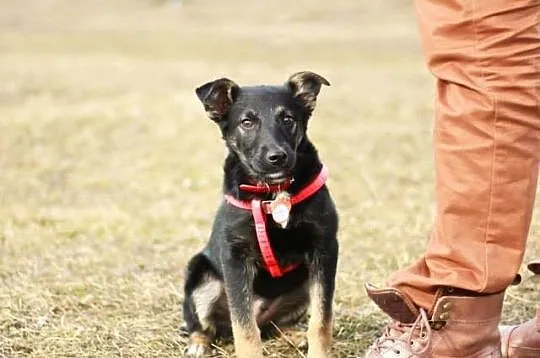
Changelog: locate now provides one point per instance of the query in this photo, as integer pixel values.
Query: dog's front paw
(318, 353)
(196, 350)
(318, 347)
(198, 346)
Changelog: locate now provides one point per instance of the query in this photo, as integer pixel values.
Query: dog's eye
(247, 123)
(288, 120)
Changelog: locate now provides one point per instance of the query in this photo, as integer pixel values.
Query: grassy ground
(110, 172)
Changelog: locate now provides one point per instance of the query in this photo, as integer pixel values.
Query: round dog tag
(280, 213)
(281, 207)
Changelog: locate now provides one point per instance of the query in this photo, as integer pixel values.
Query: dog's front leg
(238, 277)
(322, 283)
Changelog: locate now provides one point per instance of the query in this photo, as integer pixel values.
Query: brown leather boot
(522, 341)
(461, 325)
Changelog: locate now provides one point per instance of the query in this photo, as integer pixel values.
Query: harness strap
(312, 188)
(267, 252)
(260, 208)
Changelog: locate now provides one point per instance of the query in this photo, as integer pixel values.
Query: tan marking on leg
(319, 333)
(205, 297)
(199, 338)
(247, 341)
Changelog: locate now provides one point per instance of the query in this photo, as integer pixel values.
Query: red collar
(260, 207)
(266, 188)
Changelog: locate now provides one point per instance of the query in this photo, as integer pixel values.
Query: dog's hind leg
(285, 310)
(204, 296)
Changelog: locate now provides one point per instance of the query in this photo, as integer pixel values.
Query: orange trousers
(485, 55)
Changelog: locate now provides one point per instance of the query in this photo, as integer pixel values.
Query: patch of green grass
(110, 173)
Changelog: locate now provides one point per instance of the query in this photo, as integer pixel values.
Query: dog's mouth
(271, 178)
(276, 178)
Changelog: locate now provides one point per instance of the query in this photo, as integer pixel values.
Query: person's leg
(485, 55)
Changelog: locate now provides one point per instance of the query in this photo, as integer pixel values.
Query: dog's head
(263, 125)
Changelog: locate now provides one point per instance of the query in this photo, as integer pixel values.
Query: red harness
(261, 208)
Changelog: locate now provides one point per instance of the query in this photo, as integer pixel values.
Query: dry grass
(110, 173)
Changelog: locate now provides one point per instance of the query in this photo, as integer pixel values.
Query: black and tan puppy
(266, 265)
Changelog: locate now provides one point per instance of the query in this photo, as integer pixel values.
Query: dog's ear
(305, 87)
(217, 97)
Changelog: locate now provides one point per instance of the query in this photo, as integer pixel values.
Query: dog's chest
(291, 241)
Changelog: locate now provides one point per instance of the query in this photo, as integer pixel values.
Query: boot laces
(397, 332)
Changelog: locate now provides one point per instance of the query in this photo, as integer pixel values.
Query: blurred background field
(110, 172)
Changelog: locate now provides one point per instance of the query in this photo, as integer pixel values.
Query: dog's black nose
(276, 157)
